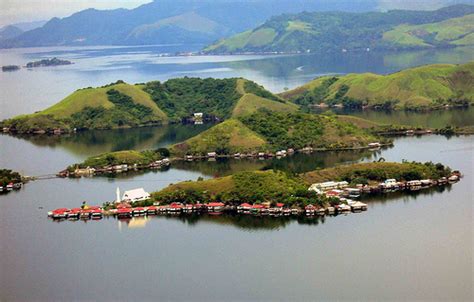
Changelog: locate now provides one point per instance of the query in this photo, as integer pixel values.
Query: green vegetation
(378, 171)
(266, 130)
(425, 87)
(228, 137)
(299, 130)
(8, 176)
(48, 62)
(254, 187)
(129, 157)
(276, 186)
(250, 103)
(122, 105)
(111, 106)
(456, 31)
(334, 31)
(180, 98)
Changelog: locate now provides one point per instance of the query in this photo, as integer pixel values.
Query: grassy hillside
(334, 31)
(112, 106)
(255, 97)
(456, 31)
(254, 186)
(267, 130)
(123, 105)
(423, 87)
(225, 138)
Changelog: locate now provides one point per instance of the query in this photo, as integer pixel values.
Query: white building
(136, 195)
(329, 185)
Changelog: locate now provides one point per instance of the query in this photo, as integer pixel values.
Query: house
(136, 195)
(329, 185)
(374, 145)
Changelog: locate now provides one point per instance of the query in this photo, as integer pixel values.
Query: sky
(15, 11)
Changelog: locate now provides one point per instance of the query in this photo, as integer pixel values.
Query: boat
(10, 186)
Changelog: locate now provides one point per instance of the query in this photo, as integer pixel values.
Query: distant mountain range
(206, 21)
(345, 31)
(168, 21)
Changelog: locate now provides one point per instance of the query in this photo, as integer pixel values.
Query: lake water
(405, 247)
(27, 91)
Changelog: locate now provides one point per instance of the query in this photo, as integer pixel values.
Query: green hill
(335, 31)
(456, 31)
(112, 106)
(424, 87)
(227, 137)
(123, 105)
(267, 130)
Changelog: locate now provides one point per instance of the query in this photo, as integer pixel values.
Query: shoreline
(343, 205)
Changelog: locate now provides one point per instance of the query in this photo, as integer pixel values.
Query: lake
(415, 246)
(97, 66)
(405, 247)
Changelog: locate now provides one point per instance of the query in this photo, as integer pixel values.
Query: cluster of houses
(393, 184)
(336, 189)
(90, 171)
(211, 156)
(342, 191)
(10, 187)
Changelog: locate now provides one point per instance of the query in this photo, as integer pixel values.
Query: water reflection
(92, 142)
(295, 164)
(433, 119)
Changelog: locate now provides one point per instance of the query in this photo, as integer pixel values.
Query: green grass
(97, 97)
(250, 103)
(299, 25)
(247, 186)
(227, 137)
(456, 31)
(420, 87)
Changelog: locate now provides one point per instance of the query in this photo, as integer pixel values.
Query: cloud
(14, 11)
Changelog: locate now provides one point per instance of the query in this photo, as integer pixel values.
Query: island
(273, 193)
(10, 68)
(182, 100)
(48, 62)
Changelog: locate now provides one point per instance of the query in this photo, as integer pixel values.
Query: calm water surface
(416, 246)
(27, 91)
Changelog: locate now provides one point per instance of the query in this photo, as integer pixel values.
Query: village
(126, 206)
